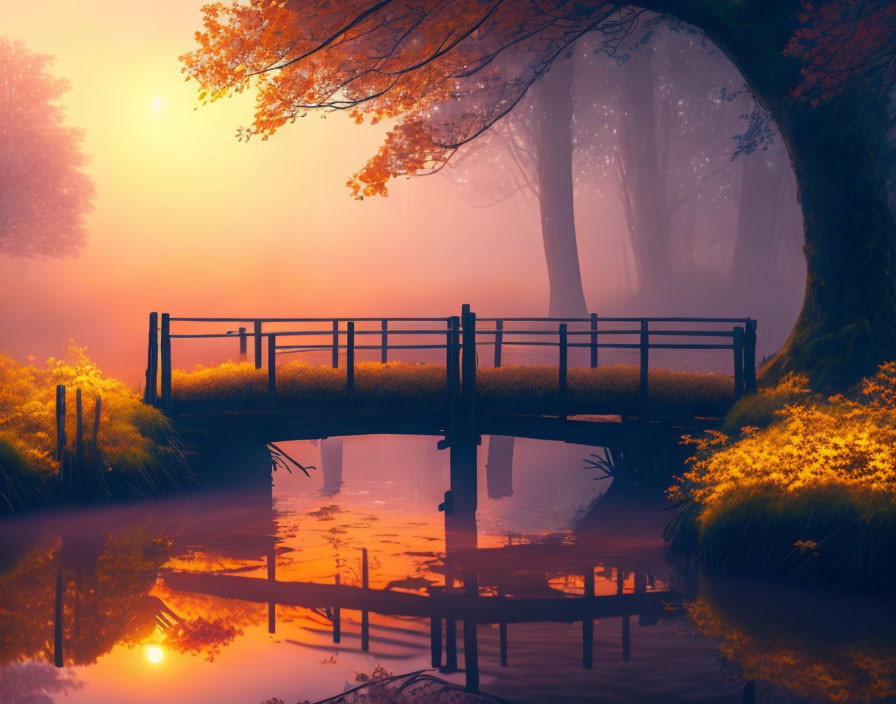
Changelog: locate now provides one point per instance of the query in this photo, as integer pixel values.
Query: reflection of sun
(154, 654)
(156, 104)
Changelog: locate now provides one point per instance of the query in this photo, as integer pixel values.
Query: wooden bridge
(452, 343)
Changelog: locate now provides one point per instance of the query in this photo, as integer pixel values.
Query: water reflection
(297, 593)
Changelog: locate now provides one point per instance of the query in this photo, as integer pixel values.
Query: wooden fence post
(645, 365)
(150, 394)
(468, 376)
(78, 479)
(243, 346)
(452, 370)
(737, 337)
(499, 341)
(562, 369)
(167, 402)
(350, 362)
(384, 341)
(256, 331)
(365, 585)
(60, 421)
(594, 340)
(750, 356)
(335, 361)
(272, 365)
(97, 412)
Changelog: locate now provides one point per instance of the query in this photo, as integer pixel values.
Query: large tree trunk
(847, 326)
(553, 158)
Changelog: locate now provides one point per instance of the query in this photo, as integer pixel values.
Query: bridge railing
(344, 337)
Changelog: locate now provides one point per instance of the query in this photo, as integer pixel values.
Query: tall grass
(610, 387)
(136, 450)
(810, 497)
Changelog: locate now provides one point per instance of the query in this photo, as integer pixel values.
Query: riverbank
(804, 489)
(124, 449)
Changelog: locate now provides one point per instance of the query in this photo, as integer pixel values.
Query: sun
(157, 103)
(154, 654)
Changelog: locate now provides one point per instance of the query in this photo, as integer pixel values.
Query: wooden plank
(499, 339)
(167, 401)
(256, 331)
(350, 363)
(750, 356)
(150, 394)
(335, 360)
(738, 362)
(272, 366)
(645, 365)
(562, 371)
(594, 340)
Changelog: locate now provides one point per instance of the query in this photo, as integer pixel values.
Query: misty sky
(192, 222)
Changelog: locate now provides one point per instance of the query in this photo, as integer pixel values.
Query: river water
(230, 596)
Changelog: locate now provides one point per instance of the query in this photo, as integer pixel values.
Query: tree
(44, 192)
(447, 71)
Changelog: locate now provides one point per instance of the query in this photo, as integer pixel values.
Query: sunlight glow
(157, 103)
(154, 654)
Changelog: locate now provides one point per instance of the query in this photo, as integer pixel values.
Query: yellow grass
(609, 386)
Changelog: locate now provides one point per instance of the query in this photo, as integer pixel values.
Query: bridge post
(272, 365)
(737, 337)
(594, 340)
(167, 401)
(350, 363)
(471, 643)
(257, 333)
(243, 353)
(499, 341)
(562, 372)
(272, 577)
(750, 356)
(384, 341)
(645, 365)
(335, 361)
(150, 394)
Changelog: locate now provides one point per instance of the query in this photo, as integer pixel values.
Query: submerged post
(365, 615)
(243, 345)
(272, 365)
(256, 331)
(58, 630)
(337, 616)
(166, 363)
(471, 644)
(435, 626)
(588, 622)
(384, 341)
(737, 337)
(750, 356)
(594, 340)
(645, 364)
(272, 577)
(502, 632)
(499, 341)
(150, 394)
(562, 371)
(60, 421)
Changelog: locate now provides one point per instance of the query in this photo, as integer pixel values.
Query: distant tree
(44, 192)
(823, 70)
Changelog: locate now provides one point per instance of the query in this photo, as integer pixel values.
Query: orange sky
(192, 222)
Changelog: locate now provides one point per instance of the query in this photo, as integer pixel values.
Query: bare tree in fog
(44, 192)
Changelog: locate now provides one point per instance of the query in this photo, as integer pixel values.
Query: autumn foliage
(44, 191)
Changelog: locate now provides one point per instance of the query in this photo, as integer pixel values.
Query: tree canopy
(44, 192)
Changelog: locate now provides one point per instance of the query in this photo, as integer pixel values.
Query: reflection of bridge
(449, 605)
